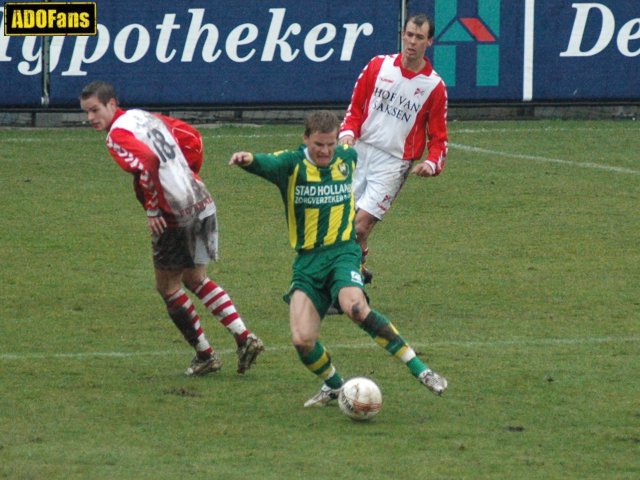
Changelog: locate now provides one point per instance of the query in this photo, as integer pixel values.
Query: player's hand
(428, 168)
(347, 140)
(157, 225)
(241, 158)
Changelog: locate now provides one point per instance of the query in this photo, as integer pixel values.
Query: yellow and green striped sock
(387, 336)
(318, 362)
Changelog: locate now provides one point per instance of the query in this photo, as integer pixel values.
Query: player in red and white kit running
(165, 155)
(398, 107)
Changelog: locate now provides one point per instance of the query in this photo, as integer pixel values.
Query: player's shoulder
(384, 56)
(135, 113)
(130, 118)
(376, 63)
(288, 154)
(287, 151)
(281, 159)
(379, 59)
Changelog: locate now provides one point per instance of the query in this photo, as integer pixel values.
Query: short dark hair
(321, 121)
(103, 90)
(419, 19)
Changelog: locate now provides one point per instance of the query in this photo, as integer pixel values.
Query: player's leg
(385, 176)
(184, 316)
(364, 223)
(347, 286)
(171, 256)
(217, 301)
(220, 305)
(386, 335)
(203, 239)
(304, 321)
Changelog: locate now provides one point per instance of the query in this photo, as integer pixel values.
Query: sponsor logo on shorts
(356, 277)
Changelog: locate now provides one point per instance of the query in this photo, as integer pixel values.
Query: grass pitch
(514, 274)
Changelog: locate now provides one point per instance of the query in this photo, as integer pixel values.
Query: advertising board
(290, 52)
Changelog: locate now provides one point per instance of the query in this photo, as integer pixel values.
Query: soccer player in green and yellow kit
(315, 185)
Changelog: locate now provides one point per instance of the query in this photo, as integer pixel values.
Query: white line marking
(456, 128)
(598, 166)
(541, 342)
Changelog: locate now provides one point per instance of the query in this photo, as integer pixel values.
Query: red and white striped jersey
(399, 111)
(165, 155)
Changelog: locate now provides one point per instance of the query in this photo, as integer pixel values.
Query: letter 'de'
(579, 24)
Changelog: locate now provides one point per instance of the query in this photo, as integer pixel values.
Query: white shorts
(377, 179)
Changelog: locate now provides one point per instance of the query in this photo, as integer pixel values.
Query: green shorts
(323, 273)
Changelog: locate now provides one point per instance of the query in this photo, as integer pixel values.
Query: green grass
(515, 274)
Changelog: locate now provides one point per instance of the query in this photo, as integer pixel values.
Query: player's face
(99, 115)
(415, 41)
(321, 147)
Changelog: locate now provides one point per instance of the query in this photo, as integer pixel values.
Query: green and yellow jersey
(318, 201)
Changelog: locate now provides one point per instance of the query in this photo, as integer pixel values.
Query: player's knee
(303, 341)
(168, 282)
(164, 292)
(193, 285)
(364, 224)
(357, 310)
(193, 280)
(303, 348)
(362, 232)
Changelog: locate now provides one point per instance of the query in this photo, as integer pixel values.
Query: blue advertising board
(289, 52)
(19, 87)
(589, 51)
(214, 52)
(477, 47)
(536, 50)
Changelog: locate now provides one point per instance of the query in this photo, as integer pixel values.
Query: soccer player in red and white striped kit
(398, 108)
(165, 155)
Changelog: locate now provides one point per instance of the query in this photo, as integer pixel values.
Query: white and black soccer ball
(360, 398)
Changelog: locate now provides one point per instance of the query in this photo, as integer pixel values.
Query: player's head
(321, 136)
(417, 35)
(99, 100)
(420, 19)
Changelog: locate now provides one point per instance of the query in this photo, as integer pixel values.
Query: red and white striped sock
(184, 316)
(221, 306)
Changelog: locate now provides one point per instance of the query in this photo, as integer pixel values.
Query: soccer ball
(360, 398)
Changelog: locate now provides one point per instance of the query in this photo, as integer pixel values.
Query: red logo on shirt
(419, 91)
